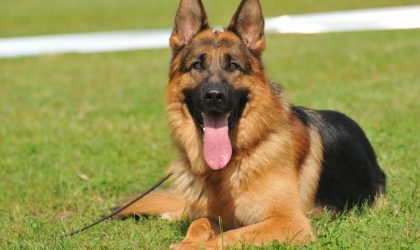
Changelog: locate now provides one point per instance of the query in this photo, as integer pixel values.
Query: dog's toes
(188, 245)
(119, 215)
(122, 215)
(115, 209)
(185, 246)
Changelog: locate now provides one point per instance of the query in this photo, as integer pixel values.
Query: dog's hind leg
(165, 204)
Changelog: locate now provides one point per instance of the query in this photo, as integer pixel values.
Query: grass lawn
(78, 133)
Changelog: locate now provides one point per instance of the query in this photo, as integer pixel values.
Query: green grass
(18, 17)
(102, 115)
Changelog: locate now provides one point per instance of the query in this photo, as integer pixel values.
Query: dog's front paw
(125, 214)
(119, 215)
(185, 245)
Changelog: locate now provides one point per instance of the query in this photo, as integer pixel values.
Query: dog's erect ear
(190, 19)
(248, 23)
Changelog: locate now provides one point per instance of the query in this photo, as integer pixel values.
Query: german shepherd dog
(248, 159)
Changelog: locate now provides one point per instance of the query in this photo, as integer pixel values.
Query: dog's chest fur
(234, 199)
(234, 210)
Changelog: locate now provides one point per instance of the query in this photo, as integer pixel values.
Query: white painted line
(356, 20)
(341, 21)
(83, 43)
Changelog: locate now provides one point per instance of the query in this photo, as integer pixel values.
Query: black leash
(157, 184)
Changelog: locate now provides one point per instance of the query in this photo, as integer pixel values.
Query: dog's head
(216, 82)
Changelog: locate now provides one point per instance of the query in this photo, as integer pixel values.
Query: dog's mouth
(215, 125)
(232, 117)
(217, 148)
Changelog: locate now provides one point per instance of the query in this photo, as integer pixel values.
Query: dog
(251, 166)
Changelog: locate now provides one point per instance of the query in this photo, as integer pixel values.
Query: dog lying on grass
(248, 159)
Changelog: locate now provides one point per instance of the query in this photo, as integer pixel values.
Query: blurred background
(19, 18)
(79, 132)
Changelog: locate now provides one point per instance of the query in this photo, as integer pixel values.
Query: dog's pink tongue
(217, 147)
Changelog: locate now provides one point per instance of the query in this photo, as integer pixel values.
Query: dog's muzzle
(215, 98)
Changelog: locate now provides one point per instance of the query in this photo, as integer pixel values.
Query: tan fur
(166, 204)
(310, 171)
(269, 183)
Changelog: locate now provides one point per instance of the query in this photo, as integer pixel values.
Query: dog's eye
(198, 66)
(233, 66)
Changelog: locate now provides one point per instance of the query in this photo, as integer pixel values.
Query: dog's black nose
(214, 97)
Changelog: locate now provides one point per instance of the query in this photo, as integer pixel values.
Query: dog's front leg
(201, 230)
(166, 204)
(289, 229)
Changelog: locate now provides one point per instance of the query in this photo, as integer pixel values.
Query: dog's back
(350, 174)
